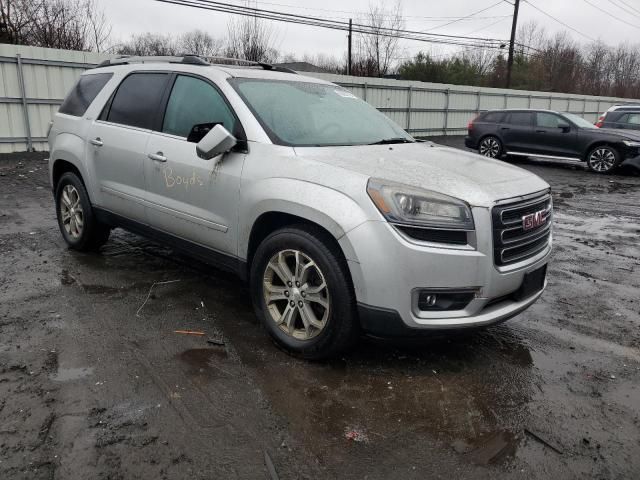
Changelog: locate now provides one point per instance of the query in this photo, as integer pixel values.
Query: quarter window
(195, 102)
(137, 99)
(520, 118)
(84, 92)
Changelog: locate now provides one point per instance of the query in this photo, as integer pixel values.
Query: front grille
(511, 241)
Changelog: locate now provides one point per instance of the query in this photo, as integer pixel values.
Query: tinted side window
(549, 120)
(520, 118)
(84, 92)
(630, 118)
(137, 98)
(194, 102)
(492, 117)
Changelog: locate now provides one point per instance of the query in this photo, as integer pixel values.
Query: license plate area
(532, 283)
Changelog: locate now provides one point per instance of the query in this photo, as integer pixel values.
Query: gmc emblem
(533, 220)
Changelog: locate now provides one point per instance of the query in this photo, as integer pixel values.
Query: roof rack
(190, 59)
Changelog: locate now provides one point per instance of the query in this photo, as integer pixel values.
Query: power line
(632, 8)
(336, 25)
(559, 21)
(356, 13)
(465, 17)
(612, 15)
(625, 9)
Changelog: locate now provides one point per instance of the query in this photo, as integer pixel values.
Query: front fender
(333, 210)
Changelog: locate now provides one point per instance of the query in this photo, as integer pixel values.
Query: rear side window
(631, 118)
(84, 92)
(195, 102)
(520, 118)
(137, 99)
(492, 117)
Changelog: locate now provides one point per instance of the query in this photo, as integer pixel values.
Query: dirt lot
(94, 383)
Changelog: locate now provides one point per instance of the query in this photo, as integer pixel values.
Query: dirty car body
(339, 219)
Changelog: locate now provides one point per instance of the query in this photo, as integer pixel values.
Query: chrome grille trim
(511, 243)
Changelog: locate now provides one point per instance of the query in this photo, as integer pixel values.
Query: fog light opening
(442, 300)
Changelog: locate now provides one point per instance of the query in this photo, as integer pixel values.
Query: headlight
(631, 143)
(413, 206)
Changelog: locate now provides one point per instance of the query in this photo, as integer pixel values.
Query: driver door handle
(96, 141)
(157, 157)
(505, 128)
(541, 131)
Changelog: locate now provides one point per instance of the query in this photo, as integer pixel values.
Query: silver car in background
(340, 221)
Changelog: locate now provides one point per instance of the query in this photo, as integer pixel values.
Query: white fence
(34, 81)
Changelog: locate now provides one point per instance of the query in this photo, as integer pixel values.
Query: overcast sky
(137, 16)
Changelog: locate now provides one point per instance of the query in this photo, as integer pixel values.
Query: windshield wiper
(389, 141)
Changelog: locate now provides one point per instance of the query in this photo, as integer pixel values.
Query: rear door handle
(541, 131)
(157, 157)
(96, 141)
(504, 128)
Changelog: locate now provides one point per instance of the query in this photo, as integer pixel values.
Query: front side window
(520, 118)
(137, 99)
(577, 120)
(315, 114)
(83, 93)
(549, 120)
(195, 102)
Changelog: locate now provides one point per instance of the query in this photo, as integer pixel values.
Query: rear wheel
(78, 224)
(490, 147)
(603, 159)
(302, 293)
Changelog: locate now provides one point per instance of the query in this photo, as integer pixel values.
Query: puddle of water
(71, 374)
(202, 362)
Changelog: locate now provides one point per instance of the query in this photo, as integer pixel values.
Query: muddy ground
(94, 383)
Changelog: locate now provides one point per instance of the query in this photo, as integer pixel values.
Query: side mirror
(565, 128)
(216, 142)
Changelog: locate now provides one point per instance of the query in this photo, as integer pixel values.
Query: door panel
(193, 198)
(187, 196)
(117, 143)
(551, 138)
(516, 131)
(118, 165)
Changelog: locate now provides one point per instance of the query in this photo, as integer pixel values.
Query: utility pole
(349, 51)
(516, 6)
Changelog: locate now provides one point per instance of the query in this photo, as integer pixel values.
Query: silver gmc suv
(340, 221)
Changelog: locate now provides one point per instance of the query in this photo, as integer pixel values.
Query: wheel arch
(599, 143)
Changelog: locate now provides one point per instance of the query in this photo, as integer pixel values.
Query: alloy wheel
(296, 294)
(602, 159)
(71, 211)
(489, 147)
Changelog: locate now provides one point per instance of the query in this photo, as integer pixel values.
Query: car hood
(622, 133)
(478, 180)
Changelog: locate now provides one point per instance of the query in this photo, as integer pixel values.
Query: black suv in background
(548, 134)
(626, 116)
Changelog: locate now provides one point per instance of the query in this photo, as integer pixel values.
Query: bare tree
(377, 51)
(67, 24)
(146, 44)
(198, 42)
(252, 39)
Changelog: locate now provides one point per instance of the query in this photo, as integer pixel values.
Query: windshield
(304, 114)
(579, 121)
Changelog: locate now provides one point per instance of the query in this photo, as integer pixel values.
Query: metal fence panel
(33, 82)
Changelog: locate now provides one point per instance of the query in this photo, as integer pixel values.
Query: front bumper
(390, 267)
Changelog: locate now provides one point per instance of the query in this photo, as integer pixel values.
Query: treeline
(542, 62)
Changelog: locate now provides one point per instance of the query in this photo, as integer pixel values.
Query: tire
(490, 146)
(286, 317)
(79, 227)
(603, 159)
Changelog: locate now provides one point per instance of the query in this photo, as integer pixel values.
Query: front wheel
(603, 159)
(490, 147)
(302, 293)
